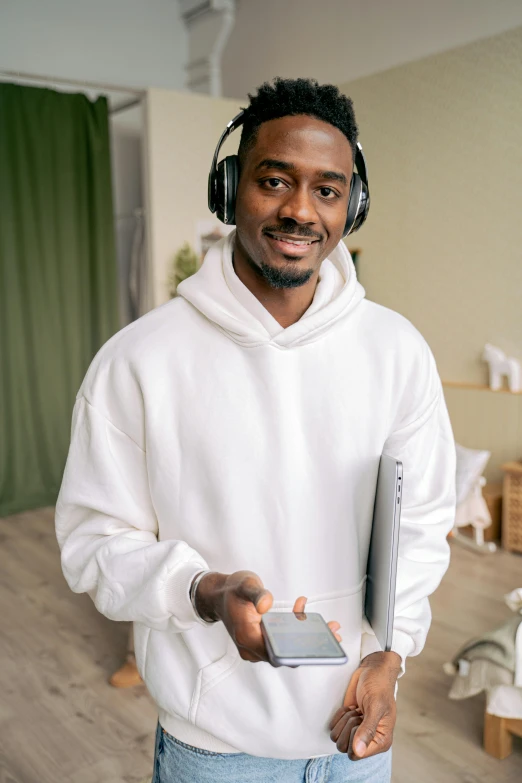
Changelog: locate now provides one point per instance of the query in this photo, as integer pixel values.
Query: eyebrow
(283, 165)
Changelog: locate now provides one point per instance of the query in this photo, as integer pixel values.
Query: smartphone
(300, 638)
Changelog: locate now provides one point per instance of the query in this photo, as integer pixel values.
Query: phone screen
(304, 635)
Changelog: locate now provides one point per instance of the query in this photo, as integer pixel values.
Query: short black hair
(287, 97)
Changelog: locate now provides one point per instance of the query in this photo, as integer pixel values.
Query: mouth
(291, 245)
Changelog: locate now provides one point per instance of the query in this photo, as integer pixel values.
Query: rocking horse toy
(500, 365)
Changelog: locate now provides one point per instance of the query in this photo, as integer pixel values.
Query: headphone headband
(224, 177)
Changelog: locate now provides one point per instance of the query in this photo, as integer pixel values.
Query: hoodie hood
(218, 293)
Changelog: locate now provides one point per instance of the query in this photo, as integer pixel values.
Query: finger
(334, 626)
(336, 730)
(343, 741)
(252, 648)
(300, 604)
(337, 716)
(339, 713)
(350, 697)
(249, 655)
(249, 638)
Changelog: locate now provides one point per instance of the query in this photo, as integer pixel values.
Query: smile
(297, 241)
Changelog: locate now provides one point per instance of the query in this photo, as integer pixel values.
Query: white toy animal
(500, 365)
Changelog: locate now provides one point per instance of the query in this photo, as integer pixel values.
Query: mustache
(292, 229)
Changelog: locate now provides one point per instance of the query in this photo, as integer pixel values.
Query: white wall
(136, 43)
(340, 40)
(182, 130)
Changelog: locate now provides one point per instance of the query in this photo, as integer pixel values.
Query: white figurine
(500, 365)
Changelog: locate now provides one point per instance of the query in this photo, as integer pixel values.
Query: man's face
(292, 198)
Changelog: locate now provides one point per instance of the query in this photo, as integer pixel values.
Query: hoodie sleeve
(425, 446)
(108, 532)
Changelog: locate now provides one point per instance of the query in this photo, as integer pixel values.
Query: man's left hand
(369, 703)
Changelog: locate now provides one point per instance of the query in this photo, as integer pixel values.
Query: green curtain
(58, 282)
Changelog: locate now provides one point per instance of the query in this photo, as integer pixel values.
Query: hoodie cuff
(369, 644)
(402, 644)
(177, 593)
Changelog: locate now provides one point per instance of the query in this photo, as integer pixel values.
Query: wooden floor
(61, 723)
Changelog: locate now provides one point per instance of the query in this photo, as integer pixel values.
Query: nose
(298, 206)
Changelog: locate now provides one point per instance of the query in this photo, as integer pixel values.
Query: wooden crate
(512, 507)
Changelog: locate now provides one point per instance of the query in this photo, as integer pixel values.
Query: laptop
(384, 551)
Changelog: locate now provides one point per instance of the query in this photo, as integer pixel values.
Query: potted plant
(185, 263)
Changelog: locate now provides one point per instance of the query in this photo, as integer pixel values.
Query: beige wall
(483, 419)
(443, 241)
(182, 131)
(444, 237)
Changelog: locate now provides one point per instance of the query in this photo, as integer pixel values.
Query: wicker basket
(512, 507)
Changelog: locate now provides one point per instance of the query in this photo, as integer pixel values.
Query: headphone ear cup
(358, 205)
(226, 188)
(353, 203)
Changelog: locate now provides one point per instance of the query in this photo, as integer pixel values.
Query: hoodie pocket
(212, 674)
(181, 665)
(280, 712)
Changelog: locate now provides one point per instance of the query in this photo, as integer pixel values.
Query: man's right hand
(240, 600)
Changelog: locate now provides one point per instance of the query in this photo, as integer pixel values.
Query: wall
(182, 131)
(442, 245)
(136, 43)
(338, 40)
(126, 129)
(127, 43)
(483, 419)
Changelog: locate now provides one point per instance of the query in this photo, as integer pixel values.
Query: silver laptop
(384, 551)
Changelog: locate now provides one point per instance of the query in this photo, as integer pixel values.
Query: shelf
(477, 387)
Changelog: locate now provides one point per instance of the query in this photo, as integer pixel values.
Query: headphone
(224, 177)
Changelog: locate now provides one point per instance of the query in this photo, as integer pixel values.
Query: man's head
(296, 162)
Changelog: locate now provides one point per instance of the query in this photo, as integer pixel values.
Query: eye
(328, 193)
(273, 183)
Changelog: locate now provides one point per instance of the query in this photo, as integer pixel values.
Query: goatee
(285, 277)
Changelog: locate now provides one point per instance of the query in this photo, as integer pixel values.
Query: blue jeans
(176, 762)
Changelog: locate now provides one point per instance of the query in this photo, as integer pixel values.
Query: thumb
(366, 731)
(252, 589)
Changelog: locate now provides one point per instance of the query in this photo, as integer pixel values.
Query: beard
(286, 277)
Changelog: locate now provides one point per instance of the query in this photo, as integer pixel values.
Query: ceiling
(341, 40)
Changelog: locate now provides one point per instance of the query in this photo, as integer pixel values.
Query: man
(230, 441)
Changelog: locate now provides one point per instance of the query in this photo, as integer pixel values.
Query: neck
(286, 305)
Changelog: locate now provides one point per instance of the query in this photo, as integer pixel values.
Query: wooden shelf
(477, 387)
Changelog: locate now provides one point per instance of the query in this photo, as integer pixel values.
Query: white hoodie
(207, 436)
